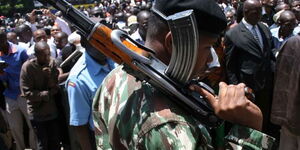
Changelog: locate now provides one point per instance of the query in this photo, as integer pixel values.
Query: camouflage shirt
(134, 115)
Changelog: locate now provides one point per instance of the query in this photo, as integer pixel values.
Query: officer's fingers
(210, 97)
(231, 91)
(222, 89)
(240, 101)
(240, 91)
(226, 98)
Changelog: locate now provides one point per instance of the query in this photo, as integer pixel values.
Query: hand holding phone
(38, 12)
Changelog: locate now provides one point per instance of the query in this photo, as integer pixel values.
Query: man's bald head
(287, 22)
(41, 46)
(142, 19)
(24, 33)
(252, 11)
(251, 4)
(287, 15)
(282, 6)
(12, 37)
(23, 28)
(61, 35)
(42, 52)
(39, 35)
(143, 15)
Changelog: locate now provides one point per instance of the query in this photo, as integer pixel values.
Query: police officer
(82, 83)
(135, 115)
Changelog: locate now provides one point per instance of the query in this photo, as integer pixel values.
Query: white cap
(73, 37)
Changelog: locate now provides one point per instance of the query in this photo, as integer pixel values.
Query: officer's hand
(232, 105)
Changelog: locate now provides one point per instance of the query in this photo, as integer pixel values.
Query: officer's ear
(168, 43)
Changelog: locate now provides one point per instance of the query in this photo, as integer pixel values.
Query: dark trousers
(48, 134)
(264, 102)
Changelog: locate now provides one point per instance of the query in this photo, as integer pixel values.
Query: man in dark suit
(248, 56)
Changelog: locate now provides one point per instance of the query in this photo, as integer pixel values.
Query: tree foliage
(9, 7)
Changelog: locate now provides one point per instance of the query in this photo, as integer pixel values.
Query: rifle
(172, 79)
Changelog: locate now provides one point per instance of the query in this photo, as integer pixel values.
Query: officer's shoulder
(117, 73)
(77, 68)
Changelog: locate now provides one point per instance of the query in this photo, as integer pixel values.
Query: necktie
(256, 36)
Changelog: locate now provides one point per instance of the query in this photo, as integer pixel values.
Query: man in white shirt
(140, 34)
(24, 34)
(40, 35)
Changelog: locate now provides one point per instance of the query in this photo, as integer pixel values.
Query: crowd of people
(58, 91)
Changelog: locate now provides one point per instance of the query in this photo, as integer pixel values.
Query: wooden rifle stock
(100, 38)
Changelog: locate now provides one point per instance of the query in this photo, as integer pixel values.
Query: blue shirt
(84, 79)
(277, 42)
(15, 58)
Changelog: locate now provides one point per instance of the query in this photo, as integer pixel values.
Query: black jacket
(245, 61)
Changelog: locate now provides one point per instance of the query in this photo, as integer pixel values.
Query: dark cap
(210, 17)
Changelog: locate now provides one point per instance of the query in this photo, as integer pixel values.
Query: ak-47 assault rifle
(172, 79)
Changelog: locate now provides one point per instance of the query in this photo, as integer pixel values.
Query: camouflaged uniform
(133, 115)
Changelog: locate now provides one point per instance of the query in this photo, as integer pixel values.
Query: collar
(248, 25)
(12, 48)
(263, 11)
(32, 41)
(36, 64)
(95, 67)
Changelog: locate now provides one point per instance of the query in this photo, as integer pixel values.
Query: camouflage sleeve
(246, 138)
(172, 136)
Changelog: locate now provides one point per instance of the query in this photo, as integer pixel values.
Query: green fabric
(220, 134)
(134, 115)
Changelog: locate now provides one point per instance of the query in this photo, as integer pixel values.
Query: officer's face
(204, 56)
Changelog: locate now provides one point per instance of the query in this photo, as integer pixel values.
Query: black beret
(210, 17)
